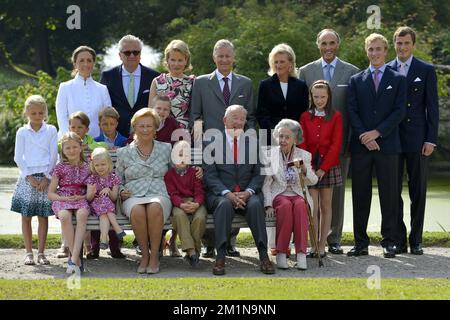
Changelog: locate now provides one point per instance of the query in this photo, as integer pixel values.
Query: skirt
(331, 179)
(28, 201)
(165, 203)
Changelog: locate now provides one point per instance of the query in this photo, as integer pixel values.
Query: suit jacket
(272, 106)
(313, 71)
(422, 109)
(113, 80)
(208, 104)
(275, 182)
(382, 110)
(225, 175)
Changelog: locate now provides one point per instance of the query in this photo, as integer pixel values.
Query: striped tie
(226, 92)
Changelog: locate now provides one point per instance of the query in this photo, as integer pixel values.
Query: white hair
(291, 125)
(223, 43)
(130, 38)
(235, 107)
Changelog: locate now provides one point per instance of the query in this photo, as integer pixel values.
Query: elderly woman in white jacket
(283, 195)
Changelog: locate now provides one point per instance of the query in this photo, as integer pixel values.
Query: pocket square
(145, 91)
(389, 88)
(417, 79)
(241, 96)
(342, 85)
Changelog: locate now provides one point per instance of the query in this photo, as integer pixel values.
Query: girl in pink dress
(67, 191)
(102, 192)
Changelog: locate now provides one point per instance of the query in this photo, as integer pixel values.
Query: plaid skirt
(28, 201)
(333, 178)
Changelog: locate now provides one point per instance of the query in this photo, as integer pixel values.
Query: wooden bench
(93, 222)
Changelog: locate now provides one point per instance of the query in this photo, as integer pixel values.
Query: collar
(28, 127)
(318, 113)
(382, 68)
(80, 79)
(108, 139)
(407, 62)
(221, 76)
(333, 63)
(136, 73)
(230, 139)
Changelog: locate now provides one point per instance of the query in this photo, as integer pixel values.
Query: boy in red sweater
(187, 196)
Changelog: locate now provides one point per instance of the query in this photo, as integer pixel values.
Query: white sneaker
(282, 261)
(301, 261)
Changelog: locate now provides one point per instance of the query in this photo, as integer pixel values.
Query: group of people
(313, 119)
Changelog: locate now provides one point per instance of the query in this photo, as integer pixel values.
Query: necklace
(142, 154)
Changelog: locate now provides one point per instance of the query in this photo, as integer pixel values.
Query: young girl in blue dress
(67, 191)
(35, 154)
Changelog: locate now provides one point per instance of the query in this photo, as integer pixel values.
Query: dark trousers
(386, 168)
(417, 174)
(113, 241)
(223, 217)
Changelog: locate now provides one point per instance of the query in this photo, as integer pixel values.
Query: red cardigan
(180, 187)
(322, 135)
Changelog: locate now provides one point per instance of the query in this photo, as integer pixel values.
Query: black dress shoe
(335, 248)
(219, 267)
(358, 251)
(389, 252)
(401, 249)
(209, 252)
(232, 252)
(417, 249)
(92, 255)
(118, 255)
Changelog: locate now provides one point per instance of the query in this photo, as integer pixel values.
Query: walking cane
(312, 227)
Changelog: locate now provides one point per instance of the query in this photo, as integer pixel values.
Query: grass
(231, 288)
(245, 240)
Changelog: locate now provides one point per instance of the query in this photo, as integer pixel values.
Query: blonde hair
(70, 136)
(84, 119)
(77, 51)
(181, 47)
(376, 36)
(108, 112)
(35, 100)
(279, 49)
(103, 154)
(146, 112)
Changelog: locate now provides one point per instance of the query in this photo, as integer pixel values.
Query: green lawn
(231, 288)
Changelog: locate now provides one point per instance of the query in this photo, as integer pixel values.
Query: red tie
(235, 156)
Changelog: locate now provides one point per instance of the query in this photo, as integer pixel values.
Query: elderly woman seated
(283, 194)
(141, 167)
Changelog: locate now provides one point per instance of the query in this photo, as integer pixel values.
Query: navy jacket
(422, 109)
(113, 80)
(382, 110)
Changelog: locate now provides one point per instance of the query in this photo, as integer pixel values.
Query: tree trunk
(43, 58)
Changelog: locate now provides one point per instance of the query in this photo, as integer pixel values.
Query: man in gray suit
(337, 72)
(211, 95)
(233, 181)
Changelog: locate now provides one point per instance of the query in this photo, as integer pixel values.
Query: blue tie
(328, 72)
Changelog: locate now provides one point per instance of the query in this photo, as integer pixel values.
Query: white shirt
(407, 64)
(126, 80)
(88, 96)
(36, 151)
(221, 82)
(284, 88)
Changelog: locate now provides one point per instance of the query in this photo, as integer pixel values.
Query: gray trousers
(223, 216)
(337, 220)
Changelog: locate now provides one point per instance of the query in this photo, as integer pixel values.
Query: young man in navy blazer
(129, 83)
(376, 106)
(418, 134)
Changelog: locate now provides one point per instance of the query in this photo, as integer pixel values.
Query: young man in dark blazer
(376, 106)
(418, 134)
(129, 83)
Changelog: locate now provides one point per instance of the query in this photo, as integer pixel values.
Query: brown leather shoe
(219, 267)
(267, 266)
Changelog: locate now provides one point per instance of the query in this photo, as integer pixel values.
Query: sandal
(29, 259)
(42, 259)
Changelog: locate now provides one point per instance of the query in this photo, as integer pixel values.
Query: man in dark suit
(129, 83)
(211, 95)
(376, 106)
(418, 134)
(337, 72)
(233, 182)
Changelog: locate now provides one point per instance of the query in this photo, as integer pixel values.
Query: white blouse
(88, 96)
(36, 151)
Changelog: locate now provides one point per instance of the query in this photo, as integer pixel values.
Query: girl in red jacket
(322, 132)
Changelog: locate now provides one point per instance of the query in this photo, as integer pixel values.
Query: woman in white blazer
(82, 93)
(283, 195)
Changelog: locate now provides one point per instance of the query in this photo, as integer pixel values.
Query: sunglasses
(134, 52)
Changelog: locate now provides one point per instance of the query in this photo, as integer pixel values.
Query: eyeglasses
(134, 52)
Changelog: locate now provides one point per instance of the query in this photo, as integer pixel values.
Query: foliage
(9, 124)
(244, 288)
